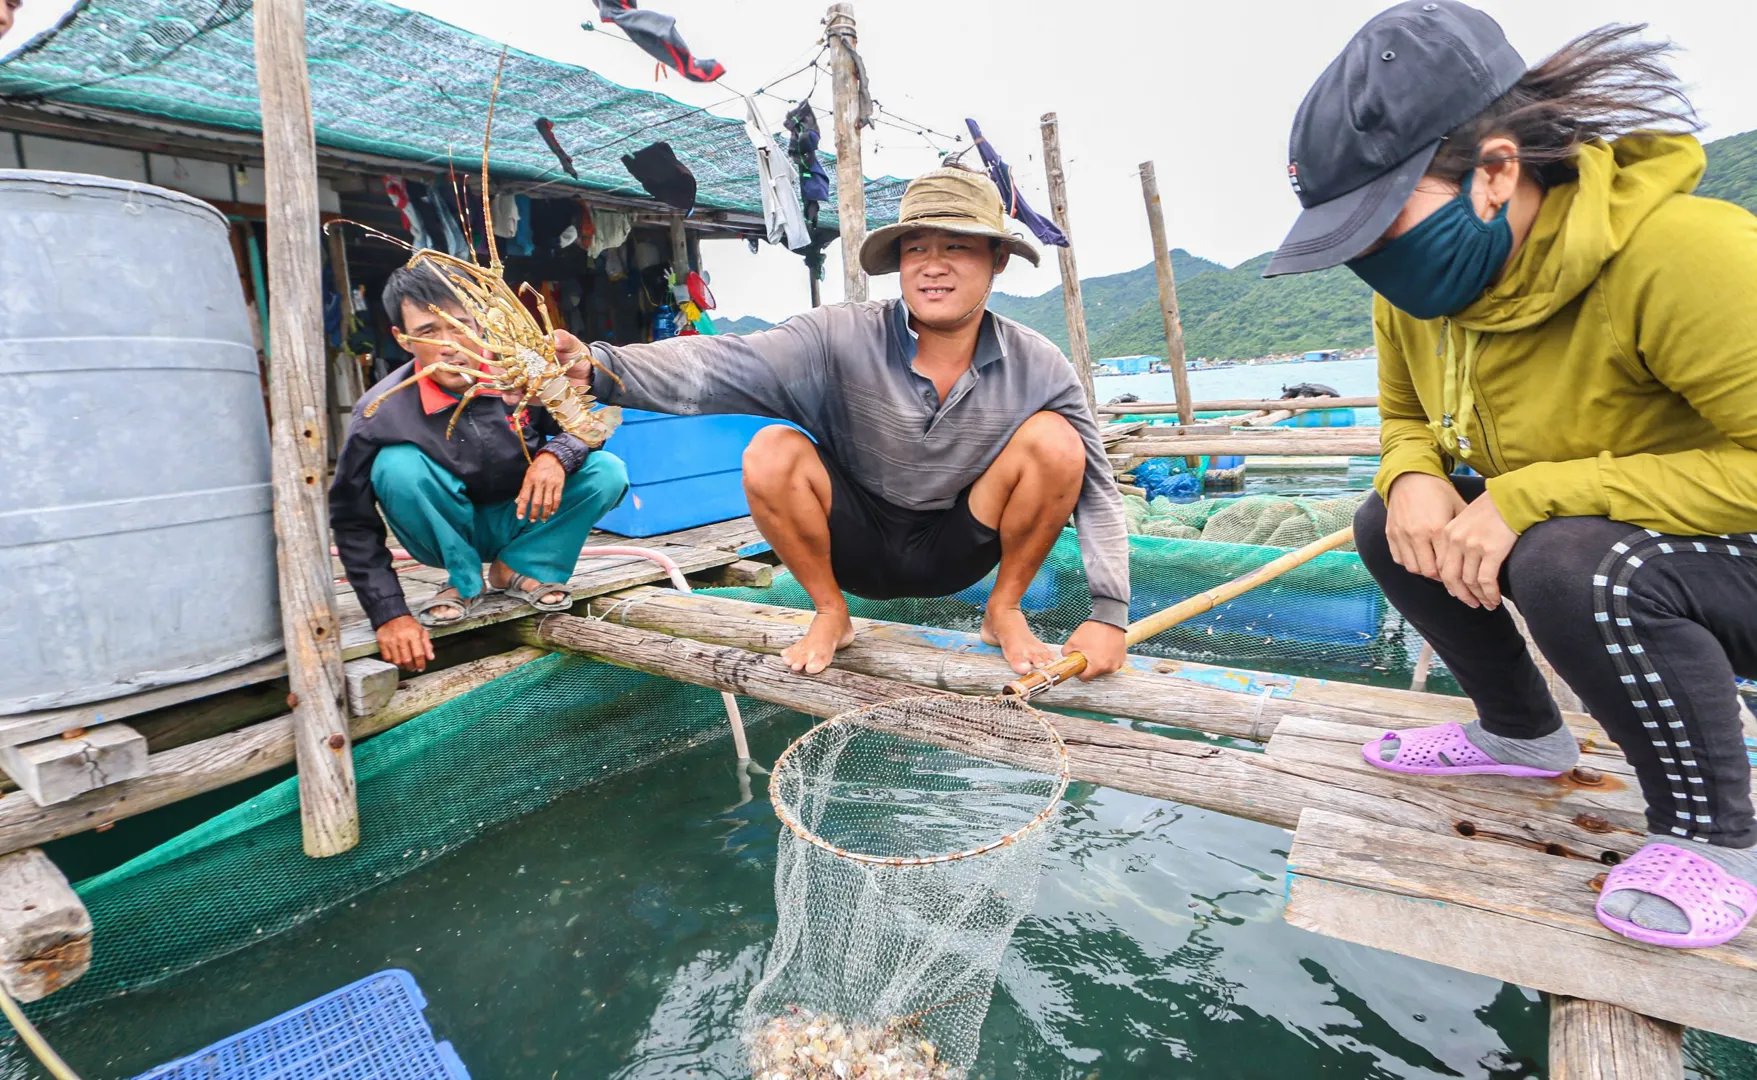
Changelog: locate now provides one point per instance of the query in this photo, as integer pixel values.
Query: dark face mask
(1443, 264)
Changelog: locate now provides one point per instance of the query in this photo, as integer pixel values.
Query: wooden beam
(1510, 914)
(189, 770)
(1174, 327)
(1149, 408)
(1590, 1040)
(1359, 442)
(371, 684)
(1073, 307)
(745, 574)
(850, 179)
(55, 770)
(45, 930)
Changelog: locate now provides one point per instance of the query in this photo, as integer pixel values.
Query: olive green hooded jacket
(1610, 372)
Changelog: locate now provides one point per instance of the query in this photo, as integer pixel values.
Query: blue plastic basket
(368, 1030)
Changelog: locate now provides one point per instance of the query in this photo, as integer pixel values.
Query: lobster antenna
(487, 137)
(460, 192)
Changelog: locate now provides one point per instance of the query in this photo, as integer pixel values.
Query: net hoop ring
(798, 828)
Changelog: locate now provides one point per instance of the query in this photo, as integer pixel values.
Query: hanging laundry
(802, 143)
(451, 221)
(506, 216)
(546, 129)
(657, 36)
(610, 229)
(521, 238)
(782, 213)
(397, 190)
(1002, 175)
(585, 230)
(662, 175)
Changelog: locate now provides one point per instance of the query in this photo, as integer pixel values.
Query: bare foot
(1007, 628)
(828, 632)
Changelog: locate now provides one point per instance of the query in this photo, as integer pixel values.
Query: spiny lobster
(520, 354)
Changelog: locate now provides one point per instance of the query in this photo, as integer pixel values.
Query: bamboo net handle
(1073, 664)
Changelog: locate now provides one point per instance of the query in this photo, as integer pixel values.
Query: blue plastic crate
(368, 1030)
(683, 471)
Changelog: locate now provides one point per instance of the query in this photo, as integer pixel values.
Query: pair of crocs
(1718, 905)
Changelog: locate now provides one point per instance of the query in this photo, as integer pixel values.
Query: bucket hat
(951, 200)
(1370, 125)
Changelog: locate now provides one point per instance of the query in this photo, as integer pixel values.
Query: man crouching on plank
(945, 439)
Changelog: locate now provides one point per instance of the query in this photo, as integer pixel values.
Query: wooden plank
(594, 576)
(1073, 308)
(1145, 408)
(1509, 914)
(743, 574)
(29, 727)
(840, 36)
(213, 763)
(1354, 442)
(371, 684)
(329, 815)
(739, 536)
(55, 770)
(1174, 327)
(1590, 1040)
(45, 930)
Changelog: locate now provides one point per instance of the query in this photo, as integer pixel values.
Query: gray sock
(1655, 913)
(1558, 751)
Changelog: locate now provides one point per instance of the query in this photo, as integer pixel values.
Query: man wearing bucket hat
(945, 441)
(1557, 312)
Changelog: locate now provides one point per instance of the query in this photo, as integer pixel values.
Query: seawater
(1351, 378)
(617, 931)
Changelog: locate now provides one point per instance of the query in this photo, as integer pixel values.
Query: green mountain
(1237, 314)
(1732, 170)
(744, 324)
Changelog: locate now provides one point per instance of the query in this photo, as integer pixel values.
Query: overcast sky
(1205, 90)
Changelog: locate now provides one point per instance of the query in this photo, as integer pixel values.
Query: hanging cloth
(506, 216)
(521, 238)
(803, 137)
(610, 229)
(546, 128)
(397, 191)
(657, 36)
(662, 175)
(1002, 175)
(451, 221)
(782, 213)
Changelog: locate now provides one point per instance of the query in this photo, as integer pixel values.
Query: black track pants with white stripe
(1649, 630)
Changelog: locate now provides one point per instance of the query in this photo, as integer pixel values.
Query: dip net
(915, 833)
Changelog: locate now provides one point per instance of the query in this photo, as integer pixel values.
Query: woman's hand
(1472, 549)
(1418, 511)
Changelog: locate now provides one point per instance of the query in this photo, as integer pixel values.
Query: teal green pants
(437, 523)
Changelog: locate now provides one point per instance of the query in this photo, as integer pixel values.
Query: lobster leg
(470, 334)
(413, 379)
(469, 395)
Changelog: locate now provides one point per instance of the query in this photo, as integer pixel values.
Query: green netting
(1326, 618)
(1272, 520)
(552, 726)
(394, 84)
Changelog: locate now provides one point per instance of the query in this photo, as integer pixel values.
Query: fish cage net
(914, 835)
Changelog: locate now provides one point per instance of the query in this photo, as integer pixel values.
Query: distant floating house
(1126, 365)
(1319, 355)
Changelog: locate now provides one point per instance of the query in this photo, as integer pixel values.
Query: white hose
(667, 564)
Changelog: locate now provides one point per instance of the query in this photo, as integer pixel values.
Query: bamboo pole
(1073, 305)
(850, 180)
(327, 808)
(1174, 327)
(1150, 408)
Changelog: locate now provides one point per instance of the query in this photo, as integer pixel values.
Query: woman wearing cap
(1556, 312)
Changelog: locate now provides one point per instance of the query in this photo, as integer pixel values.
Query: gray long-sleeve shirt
(845, 373)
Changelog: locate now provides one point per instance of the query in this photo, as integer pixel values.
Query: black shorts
(881, 551)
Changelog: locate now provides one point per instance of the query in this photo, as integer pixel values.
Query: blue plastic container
(1320, 418)
(683, 471)
(368, 1030)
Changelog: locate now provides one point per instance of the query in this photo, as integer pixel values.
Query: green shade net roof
(396, 84)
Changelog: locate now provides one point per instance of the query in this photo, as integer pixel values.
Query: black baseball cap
(1371, 123)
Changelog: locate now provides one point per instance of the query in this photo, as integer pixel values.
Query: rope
(34, 1039)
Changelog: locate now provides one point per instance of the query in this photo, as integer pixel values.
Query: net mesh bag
(915, 833)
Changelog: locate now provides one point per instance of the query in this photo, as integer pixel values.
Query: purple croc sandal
(1698, 886)
(1420, 749)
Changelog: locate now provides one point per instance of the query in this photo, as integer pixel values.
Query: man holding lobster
(945, 441)
(458, 482)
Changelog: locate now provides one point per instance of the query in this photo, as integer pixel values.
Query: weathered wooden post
(679, 248)
(1174, 327)
(327, 808)
(1590, 1040)
(1079, 349)
(850, 180)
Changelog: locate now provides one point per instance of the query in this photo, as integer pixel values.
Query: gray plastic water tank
(136, 530)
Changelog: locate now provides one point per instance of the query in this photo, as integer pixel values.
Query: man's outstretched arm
(778, 372)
